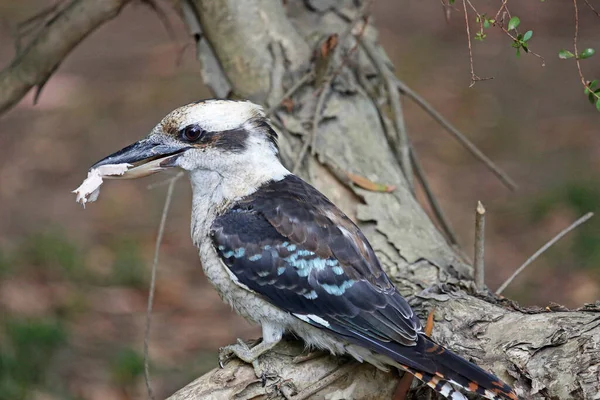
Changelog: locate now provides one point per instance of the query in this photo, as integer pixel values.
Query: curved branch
(51, 45)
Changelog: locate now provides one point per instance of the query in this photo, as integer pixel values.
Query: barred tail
(451, 368)
(438, 384)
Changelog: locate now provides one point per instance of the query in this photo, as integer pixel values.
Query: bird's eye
(191, 133)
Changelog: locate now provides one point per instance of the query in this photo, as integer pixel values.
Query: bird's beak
(146, 157)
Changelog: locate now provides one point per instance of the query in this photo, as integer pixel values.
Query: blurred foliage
(129, 266)
(26, 354)
(126, 367)
(52, 250)
(579, 197)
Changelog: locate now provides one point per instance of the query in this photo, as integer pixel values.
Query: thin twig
(317, 117)
(543, 249)
(361, 14)
(305, 79)
(389, 78)
(528, 49)
(352, 49)
(479, 256)
(421, 102)
(577, 61)
(474, 78)
(161, 230)
(435, 206)
(502, 7)
(592, 8)
(311, 141)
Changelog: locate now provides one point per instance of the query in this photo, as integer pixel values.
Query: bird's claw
(239, 350)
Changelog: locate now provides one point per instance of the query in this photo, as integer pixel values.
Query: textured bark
(261, 45)
(51, 45)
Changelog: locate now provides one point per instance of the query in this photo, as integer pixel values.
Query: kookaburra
(285, 257)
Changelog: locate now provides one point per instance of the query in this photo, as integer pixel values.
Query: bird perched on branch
(285, 257)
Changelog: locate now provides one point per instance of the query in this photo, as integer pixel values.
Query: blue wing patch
(288, 243)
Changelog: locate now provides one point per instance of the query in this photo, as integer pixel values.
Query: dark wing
(290, 244)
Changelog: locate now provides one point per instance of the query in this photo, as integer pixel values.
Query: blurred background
(73, 282)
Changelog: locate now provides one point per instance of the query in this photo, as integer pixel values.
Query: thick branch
(42, 56)
(543, 354)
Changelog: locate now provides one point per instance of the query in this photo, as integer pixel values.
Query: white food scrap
(90, 188)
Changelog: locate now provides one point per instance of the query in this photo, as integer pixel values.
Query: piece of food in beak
(140, 159)
(89, 190)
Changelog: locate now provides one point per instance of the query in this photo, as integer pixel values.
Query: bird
(284, 256)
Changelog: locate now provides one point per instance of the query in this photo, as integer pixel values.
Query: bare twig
(353, 48)
(295, 87)
(162, 16)
(502, 7)
(479, 264)
(51, 45)
(502, 176)
(403, 152)
(592, 8)
(317, 117)
(543, 249)
(435, 206)
(161, 230)
(311, 141)
(362, 14)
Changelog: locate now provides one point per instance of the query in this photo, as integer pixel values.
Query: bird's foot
(249, 355)
(239, 350)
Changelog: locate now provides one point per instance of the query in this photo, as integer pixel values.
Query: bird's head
(226, 137)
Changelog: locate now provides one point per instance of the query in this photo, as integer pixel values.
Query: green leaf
(565, 54)
(598, 105)
(587, 53)
(486, 23)
(513, 23)
(527, 35)
(591, 98)
(593, 83)
(518, 52)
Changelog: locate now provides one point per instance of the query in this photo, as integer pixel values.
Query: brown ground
(73, 282)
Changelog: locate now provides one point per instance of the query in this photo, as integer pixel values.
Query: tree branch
(51, 45)
(542, 354)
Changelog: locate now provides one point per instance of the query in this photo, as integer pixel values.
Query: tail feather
(451, 368)
(438, 384)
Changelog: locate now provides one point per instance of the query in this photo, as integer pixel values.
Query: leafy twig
(543, 249)
(502, 176)
(474, 78)
(161, 230)
(588, 88)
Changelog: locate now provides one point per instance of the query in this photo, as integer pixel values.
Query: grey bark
(544, 354)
